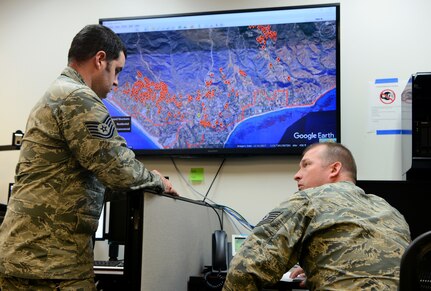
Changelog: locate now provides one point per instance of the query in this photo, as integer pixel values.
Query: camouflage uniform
(70, 152)
(343, 238)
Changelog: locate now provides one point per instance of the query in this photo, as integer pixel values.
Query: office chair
(415, 268)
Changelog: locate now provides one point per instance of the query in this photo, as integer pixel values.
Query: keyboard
(109, 267)
(113, 264)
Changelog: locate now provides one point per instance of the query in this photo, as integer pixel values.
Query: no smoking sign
(387, 96)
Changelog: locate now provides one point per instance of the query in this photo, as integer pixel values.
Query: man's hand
(298, 272)
(169, 189)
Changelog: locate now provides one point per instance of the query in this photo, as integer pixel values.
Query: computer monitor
(113, 225)
(237, 240)
(116, 221)
(9, 191)
(100, 232)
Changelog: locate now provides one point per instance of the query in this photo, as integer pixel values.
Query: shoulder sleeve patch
(104, 129)
(269, 218)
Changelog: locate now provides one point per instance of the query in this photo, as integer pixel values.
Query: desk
(176, 241)
(168, 239)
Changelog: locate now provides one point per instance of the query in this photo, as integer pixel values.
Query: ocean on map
(259, 131)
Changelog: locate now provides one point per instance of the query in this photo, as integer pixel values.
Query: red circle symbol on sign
(387, 96)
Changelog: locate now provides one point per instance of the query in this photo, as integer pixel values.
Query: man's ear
(335, 169)
(99, 58)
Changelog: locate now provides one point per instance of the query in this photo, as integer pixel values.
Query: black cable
(187, 183)
(214, 205)
(208, 191)
(212, 182)
(218, 215)
(230, 211)
(218, 280)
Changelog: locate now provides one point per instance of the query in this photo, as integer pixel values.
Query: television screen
(244, 82)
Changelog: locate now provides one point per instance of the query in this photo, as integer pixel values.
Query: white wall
(379, 38)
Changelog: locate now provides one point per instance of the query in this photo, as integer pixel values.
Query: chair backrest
(415, 268)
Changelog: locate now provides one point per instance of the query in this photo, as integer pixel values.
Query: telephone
(219, 251)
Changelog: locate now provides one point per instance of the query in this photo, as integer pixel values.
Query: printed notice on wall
(385, 106)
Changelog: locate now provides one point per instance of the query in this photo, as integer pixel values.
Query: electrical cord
(228, 210)
(218, 215)
(234, 224)
(185, 180)
(215, 177)
(219, 279)
(238, 217)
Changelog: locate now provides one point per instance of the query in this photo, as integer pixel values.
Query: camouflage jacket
(70, 152)
(343, 238)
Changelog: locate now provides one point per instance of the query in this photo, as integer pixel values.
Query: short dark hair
(336, 152)
(93, 38)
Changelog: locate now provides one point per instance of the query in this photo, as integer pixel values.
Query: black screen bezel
(232, 152)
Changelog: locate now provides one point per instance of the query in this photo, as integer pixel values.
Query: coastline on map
(245, 127)
(134, 141)
(256, 130)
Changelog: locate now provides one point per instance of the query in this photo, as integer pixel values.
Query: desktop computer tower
(416, 122)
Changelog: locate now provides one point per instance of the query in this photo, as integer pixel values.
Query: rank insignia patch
(104, 129)
(269, 217)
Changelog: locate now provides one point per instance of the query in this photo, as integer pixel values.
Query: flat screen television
(243, 82)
